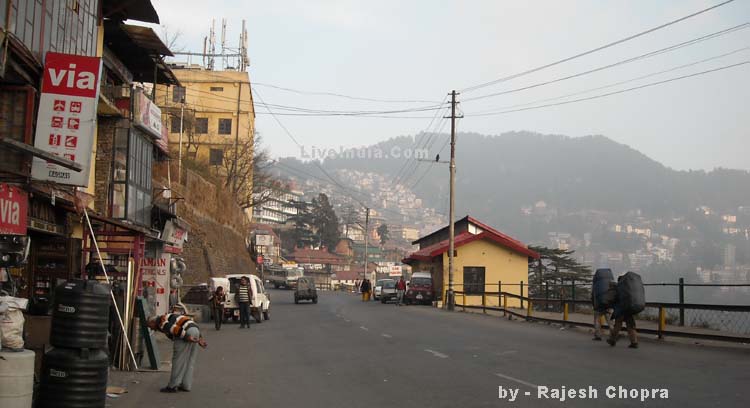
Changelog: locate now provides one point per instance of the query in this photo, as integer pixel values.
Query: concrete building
(483, 257)
(278, 208)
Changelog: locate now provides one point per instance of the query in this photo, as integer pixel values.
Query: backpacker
(603, 293)
(631, 297)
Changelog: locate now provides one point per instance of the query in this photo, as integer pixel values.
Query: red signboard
(72, 75)
(14, 204)
(259, 260)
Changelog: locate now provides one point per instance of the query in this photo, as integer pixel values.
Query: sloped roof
(489, 233)
(316, 256)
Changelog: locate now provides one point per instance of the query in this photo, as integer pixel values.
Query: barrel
(80, 315)
(16, 379)
(73, 378)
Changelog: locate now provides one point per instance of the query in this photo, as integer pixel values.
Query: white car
(260, 307)
(379, 287)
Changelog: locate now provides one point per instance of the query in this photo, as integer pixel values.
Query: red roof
(316, 256)
(427, 253)
(348, 275)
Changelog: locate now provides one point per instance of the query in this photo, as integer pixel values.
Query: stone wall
(218, 227)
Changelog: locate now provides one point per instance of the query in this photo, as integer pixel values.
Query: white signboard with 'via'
(67, 116)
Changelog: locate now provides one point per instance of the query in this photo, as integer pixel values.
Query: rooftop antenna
(223, 43)
(212, 45)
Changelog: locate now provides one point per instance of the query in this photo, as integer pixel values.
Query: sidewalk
(136, 382)
(587, 320)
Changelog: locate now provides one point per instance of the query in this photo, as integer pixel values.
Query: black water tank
(73, 378)
(80, 315)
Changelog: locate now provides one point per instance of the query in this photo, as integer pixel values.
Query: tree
(350, 217)
(325, 221)
(555, 273)
(383, 233)
(247, 173)
(303, 235)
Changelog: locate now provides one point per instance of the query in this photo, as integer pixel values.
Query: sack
(631, 296)
(11, 328)
(601, 294)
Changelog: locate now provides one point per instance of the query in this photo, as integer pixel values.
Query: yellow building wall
(500, 263)
(233, 101)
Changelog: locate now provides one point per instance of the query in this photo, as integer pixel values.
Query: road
(346, 353)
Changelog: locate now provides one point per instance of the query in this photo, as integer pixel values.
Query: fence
(555, 303)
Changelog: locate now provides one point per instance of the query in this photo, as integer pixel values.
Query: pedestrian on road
(603, 297)
(244, 296)
(400, 290)
(365, 289)
(217, 304)
(185, 336)
(619, 315)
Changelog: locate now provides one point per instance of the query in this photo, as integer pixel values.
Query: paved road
(345, 353)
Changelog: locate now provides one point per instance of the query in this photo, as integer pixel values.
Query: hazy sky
(411, 49)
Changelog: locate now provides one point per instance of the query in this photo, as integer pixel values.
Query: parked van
(420, 289)
(260, 308)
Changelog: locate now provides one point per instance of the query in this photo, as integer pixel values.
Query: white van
(260, 308)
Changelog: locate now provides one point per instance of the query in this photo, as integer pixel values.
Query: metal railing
(725, 322)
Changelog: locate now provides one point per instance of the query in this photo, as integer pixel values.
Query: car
(305, 290)
(260, 307)
(389, 291)
(420, 290)
(379, 287)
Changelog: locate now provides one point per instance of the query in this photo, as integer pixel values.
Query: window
(217, 89)
(131, 179)
(225, 126)
(201, 125)
(474, 280)
(178, 96)
(216, 157)
(175, 125)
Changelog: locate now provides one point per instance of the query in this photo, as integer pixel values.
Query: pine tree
(325, 221)
(555, 274)
(383, 233)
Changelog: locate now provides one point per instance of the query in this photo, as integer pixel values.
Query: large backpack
(631, 296)
(602, 290)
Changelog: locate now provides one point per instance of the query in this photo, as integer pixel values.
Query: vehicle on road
(260, 307)
(379, 287)
(305, 290)
(388, 292)
(284, 277)
(420, 290)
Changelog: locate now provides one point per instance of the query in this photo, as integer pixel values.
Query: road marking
(507, 352)
(364, 328)
(522, 382)
(347, 320)
(436, 353)
(386, 335)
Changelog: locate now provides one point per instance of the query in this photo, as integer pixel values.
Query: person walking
(400, 290)
(365, 289)
(185, 336)
(244, 296)
(217, 306)
(603, 296)
(630, 301)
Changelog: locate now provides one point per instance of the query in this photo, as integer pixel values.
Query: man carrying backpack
(631, 300)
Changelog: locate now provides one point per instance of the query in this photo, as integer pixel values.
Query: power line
(359, 98)
(600, 48)
(618, 63)
(617, 92)
(638, 78)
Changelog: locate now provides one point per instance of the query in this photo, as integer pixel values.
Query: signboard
(14, 205)
(264, 240)
(147, 115)
(395, 270)
(174, 235)
(259, 260)
(156, 273)
(67, 116)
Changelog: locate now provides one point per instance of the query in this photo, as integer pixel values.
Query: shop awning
(141, 10)
(141, 51)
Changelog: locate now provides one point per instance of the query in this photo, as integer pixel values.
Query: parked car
(388, 291)
(420, 289)
(260, 308)
(379, 287)
(305, 290)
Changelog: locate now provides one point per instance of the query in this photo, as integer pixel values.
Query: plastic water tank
(16, 379)
(73, 379)
(80, 315)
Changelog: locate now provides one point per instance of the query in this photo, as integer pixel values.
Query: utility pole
(367, 228)
(450, 298)
(179, 158)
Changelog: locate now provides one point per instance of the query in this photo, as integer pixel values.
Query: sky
(423, 49)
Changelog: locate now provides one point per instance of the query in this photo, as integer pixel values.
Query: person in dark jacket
(186, 336)
(217, 306)
(244, 296)
(619, 316)
(365, 289)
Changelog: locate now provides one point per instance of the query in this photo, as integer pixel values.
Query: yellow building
(217, 115)
(483, 258)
